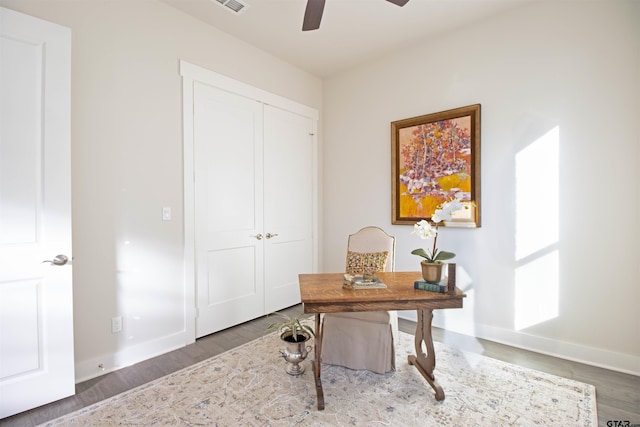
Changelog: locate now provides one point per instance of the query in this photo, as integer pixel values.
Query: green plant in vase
(294, 333)
(292, 329)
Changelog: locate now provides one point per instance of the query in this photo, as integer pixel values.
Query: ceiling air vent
(234, 6)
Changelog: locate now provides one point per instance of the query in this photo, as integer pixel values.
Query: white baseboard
(578, 353)
(88, 369)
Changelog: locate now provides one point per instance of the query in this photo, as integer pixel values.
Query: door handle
(58, 260)
(258, 236)
(269, 235)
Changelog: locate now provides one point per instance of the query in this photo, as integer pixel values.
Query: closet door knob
(58, 260)
(258, 236)
(269, 235)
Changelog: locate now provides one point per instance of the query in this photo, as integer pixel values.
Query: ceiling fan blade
(399, 2)
(313, 15)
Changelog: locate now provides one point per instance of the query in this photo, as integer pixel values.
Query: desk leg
(317, 363)
(425, 363)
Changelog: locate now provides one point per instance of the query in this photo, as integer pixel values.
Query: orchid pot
(432, 272)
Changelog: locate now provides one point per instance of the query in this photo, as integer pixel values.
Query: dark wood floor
(618, 394)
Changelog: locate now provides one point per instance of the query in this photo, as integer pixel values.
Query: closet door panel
(288, 204)
(228, 209)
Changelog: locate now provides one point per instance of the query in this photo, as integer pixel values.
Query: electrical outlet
(116, 324)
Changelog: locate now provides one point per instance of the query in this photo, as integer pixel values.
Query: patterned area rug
(248, 386)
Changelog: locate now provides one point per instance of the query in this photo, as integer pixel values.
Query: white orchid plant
(426, 230)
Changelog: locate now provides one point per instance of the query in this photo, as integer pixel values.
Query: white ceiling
(351, 32)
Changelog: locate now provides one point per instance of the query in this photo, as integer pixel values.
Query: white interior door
(229, 248)
(36, 304)
(288, 204)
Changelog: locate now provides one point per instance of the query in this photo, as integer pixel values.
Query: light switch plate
(166, 214)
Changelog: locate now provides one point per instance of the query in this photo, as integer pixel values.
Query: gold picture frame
(434, 158)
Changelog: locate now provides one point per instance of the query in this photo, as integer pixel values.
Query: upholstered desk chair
(364, 340)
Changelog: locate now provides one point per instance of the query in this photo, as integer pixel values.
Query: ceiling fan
(313, 13)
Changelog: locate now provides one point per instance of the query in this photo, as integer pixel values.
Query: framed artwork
(435, 158)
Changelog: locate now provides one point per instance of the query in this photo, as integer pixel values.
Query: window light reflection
(537, 231)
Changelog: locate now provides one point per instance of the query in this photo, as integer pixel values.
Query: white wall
(569, 66)
(127, 164)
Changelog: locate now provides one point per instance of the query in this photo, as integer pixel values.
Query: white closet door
(36, 301)
(250, 198)
(288, 204)
(228, 209)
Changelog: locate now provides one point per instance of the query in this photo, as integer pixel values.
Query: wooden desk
(323, 293)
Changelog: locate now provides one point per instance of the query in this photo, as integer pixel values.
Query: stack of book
(433, 287)
(359, 282)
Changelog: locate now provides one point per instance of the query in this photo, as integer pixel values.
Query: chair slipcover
(364, 340)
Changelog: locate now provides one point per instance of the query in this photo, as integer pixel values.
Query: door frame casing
(191, 74)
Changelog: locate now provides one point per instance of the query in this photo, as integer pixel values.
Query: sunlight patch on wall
(537, 231)
(537, 288)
